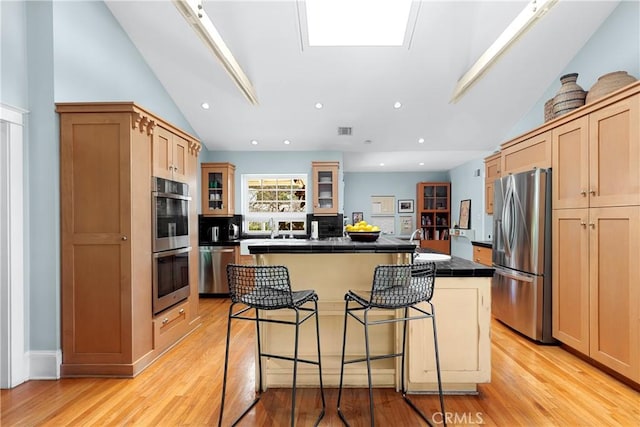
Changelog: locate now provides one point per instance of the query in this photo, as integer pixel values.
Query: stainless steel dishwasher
(212, 278)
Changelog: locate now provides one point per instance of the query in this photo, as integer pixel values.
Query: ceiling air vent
(344, 131)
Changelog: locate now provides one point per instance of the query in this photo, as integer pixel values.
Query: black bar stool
(394, 287)
(269, 288)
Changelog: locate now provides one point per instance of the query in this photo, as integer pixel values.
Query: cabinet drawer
(482, 255)
(170, 325)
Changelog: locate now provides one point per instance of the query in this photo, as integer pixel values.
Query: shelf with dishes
(216, 198)
(325, 179)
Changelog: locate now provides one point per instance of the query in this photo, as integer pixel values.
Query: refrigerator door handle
(513, 275)
(506, 218)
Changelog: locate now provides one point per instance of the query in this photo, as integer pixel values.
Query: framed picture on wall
(405, 206)
(356, 217)
(406, 225)
(465, 213)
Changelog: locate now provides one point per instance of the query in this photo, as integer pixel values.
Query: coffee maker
(234, 231)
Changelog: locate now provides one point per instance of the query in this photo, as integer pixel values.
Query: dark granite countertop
(330, 245)
(456, 267)
(221, 243)
(483, 243)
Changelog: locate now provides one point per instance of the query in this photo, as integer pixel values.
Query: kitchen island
(462, 299)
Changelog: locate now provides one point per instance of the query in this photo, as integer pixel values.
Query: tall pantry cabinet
(106, 167)
(596, 232)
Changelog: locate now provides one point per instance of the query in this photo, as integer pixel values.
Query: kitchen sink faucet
(272, 226)
(414, 234)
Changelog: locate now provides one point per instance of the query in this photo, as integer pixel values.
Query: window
(278, 198)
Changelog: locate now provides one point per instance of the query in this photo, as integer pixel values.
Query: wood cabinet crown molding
(143, 122)
(612, 98)
(142, 119)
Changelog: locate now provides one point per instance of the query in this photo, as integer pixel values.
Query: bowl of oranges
(363, 232)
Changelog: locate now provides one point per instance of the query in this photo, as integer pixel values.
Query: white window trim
(265, 216)
(14, 368)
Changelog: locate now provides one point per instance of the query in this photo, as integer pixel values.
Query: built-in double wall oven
(170, 210)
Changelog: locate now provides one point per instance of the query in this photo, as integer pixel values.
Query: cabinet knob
(181, 311)
(592, 225)
(583, 224)
(124, 238)
(165, 321)
(584, 193)
(592, 192)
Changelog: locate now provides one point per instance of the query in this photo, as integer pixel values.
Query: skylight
(357, 22)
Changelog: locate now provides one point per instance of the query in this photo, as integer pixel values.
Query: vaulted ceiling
(359, 85)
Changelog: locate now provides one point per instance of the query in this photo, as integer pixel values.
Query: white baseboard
(44, 365)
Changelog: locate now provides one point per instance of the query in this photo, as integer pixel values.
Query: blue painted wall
(13, 53)
(96, 61)
(359, 187)
(42, 171)
(614, 47)
(467, 182)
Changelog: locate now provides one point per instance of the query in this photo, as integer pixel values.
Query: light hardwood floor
(531, 385)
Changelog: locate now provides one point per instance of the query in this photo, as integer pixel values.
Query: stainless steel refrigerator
(521, 285)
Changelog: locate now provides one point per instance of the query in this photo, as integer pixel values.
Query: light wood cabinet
(570, 278)
(325, 187)
(434, 215)
(521, 156)
(108, 327)
(596, 275)
(614, 289)
(492, 165)
(482, 255)
(596, 158)
(170, 155)
(596, 229)
(171, 325)
(218, 189)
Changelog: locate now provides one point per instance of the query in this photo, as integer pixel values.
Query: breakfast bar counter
(462, 299)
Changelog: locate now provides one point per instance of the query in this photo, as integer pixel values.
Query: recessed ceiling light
(286, 142)
(319, 105)
(420, 140)
(381, 164)
(397, 105)
(421, 164)
(205, 105)
(254, 142)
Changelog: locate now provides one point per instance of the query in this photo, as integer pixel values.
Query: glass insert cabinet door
(217, 180)
(216, 185)
(325, 188)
